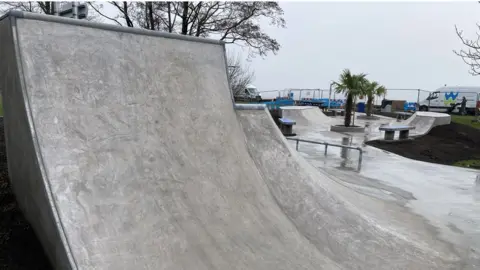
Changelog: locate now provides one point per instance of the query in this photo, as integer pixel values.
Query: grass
(465, 120)
(472, 163)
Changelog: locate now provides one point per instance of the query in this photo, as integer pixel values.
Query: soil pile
(19, 246)
(443, 145)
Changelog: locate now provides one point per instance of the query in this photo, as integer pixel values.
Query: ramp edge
(245, 107)
(41, 165)
(103, 26)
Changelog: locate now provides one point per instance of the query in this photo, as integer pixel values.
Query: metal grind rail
(360, 156)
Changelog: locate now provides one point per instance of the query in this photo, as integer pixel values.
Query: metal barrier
(360, 156)
(419, 91)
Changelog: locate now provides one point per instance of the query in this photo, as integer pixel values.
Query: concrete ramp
(125, 152)
(308, 116)
(425, 121)
(422, 121)
(356, 231)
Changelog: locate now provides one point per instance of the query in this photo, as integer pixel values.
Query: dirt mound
(443, 144)
(19, 246)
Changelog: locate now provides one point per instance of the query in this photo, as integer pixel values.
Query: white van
(249, 93)
(442, 99)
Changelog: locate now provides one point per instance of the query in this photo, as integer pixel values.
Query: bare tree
(239, 74)
(471, 53)
(30, 6)
(231, 22)
(46, 7)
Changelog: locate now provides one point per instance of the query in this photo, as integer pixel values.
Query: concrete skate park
(145, 162)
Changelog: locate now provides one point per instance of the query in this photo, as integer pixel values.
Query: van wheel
(423, 108)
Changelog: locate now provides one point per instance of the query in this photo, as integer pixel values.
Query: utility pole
(330, 95)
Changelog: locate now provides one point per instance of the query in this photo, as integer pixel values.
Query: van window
(433, 95)
(251, 91)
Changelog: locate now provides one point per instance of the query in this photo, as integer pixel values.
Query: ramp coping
(109, 27)
(241, 107)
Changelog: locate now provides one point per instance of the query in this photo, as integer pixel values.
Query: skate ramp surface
(425, 121)
(140, 162)
(422, 121)
(308, 116)
(133, 157)
(356, 231)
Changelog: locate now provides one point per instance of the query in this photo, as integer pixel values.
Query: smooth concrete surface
(342, 128)
(422, 122)
(425, 121)
(307, 115)
(447, 197)
(134, 158)
(241, 106)
(353, 229)
(25, 166)
(141, 155)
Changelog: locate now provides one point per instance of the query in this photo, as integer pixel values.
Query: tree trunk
(125, 13)
(185, 18)
(369, 105)
(348, 110)
(170, 27)
(150, 16)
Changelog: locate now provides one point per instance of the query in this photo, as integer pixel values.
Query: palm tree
(350, 85)
(371, 90)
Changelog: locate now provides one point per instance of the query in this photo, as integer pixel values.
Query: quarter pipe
(125, 152)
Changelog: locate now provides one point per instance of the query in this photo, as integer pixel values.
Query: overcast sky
(401, 45)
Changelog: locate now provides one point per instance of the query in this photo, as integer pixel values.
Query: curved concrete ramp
(129, 154)
(422, 121)
(356, 231)
(125, 152)
(425, 121)
(307, 116)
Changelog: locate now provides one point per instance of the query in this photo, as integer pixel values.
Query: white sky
(402, 45)
(399, 44)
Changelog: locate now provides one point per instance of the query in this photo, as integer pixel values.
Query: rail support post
(326, 148)
(360, 157)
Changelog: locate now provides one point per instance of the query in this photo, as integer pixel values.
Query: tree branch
(101, 14)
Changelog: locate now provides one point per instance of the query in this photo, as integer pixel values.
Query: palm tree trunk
(348, 110)
(354, 107)
(369, 105)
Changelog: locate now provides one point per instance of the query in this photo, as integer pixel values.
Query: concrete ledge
(365, 117)
(239, 106)
(440, 118)
(409, 139)
(330, 113)
(104, 26)
(341, 128)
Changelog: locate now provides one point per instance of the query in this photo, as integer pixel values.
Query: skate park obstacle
(286, 126)
(390, 132)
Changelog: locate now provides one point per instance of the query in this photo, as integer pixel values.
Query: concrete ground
(448, 197)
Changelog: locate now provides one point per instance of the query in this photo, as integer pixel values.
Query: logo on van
(450, 98)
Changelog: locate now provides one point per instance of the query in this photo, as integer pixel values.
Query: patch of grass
(471, 163)
(465, 120)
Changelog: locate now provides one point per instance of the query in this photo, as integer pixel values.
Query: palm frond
(349, 83)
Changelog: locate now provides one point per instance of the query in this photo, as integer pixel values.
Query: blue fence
(276, 104)
(410, 106)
